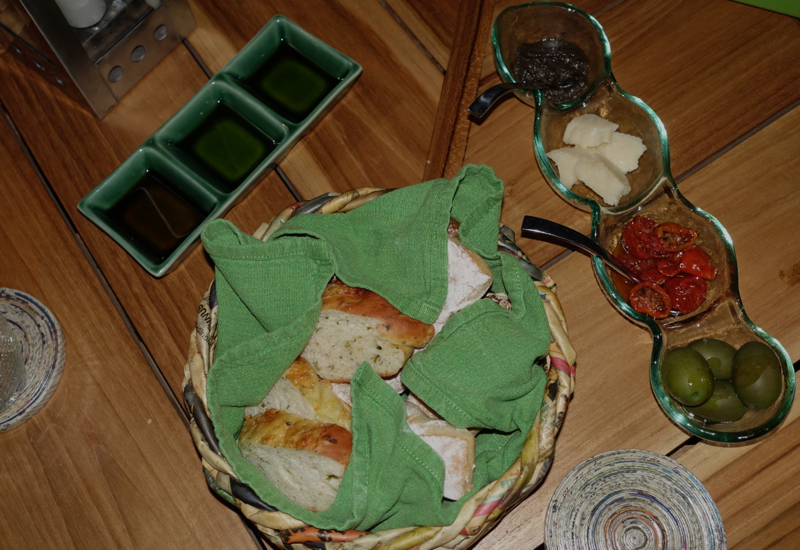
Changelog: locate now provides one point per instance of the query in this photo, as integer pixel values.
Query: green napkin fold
(477, 372)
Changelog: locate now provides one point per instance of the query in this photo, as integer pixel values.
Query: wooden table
(108, 461)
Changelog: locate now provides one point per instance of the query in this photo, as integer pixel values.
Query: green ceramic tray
(210, 175)
(787, 7)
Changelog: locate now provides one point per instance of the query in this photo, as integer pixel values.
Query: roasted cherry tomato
(673, 270)
(645, 265)
(635, 265)
(696, 262)
(632, 244)
(686, 294)
(653, 276)
(674, 237)
(668, 268)
(674, 257)
(640, 240)
(649, 298)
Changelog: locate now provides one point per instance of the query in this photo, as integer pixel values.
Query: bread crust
(393, 326)
(319, 393)
(305, 478)
(455, 446)
(276, 428)
(468, 279)
(300, 391)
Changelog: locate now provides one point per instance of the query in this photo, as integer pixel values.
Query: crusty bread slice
(304, 459)
(342, 341)
(342, 391)
(282, 429)
(302, 392)
(396, 327)
(306, 478)
(455, 446)
(469, 277)
(358, 325)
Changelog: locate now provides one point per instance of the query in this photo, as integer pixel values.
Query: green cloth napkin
(477, 372)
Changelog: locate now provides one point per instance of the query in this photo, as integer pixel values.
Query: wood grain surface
(755, 487)
(752, 190)
(717, 72)
(107, 463)
(451, 127)
(433, 24)
(705, 101)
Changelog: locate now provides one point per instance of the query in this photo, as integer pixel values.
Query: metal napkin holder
(95, 66)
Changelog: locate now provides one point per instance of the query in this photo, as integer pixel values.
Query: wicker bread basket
(478, 515)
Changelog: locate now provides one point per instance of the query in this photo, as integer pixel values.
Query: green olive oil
(291, 84)
(228, 145)
(156, 215)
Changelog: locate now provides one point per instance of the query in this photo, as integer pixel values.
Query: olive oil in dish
(156, 215)
(291, 84)
(228, 145)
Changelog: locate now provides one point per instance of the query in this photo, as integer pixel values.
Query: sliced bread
(358, 325)
(302, 392)
(304, 459)
(469, 277)
(455, 446)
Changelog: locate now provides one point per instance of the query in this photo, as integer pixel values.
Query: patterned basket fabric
(478, 515)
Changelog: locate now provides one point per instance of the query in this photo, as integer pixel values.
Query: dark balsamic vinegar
(155, 215)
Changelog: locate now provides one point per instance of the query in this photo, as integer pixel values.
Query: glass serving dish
(653, 194)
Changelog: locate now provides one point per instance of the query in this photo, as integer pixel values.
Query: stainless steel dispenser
(98, 64)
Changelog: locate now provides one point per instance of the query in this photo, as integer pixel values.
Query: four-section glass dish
(554, 40)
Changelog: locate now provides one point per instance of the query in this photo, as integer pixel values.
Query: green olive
(719, 355)
(757, 375)
(687, 376)
(723, 406)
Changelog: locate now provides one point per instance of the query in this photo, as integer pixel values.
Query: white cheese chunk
(565, 159)
(589, 131)
(623, 151)
(600, 159)
(602, 177)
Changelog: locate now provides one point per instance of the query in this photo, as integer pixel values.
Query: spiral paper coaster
(43, 349)
(632, 500)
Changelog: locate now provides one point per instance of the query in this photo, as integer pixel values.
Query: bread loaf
(455, 446)
(358, 325)
(304, 459)
(469, 277)
(302, 392)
